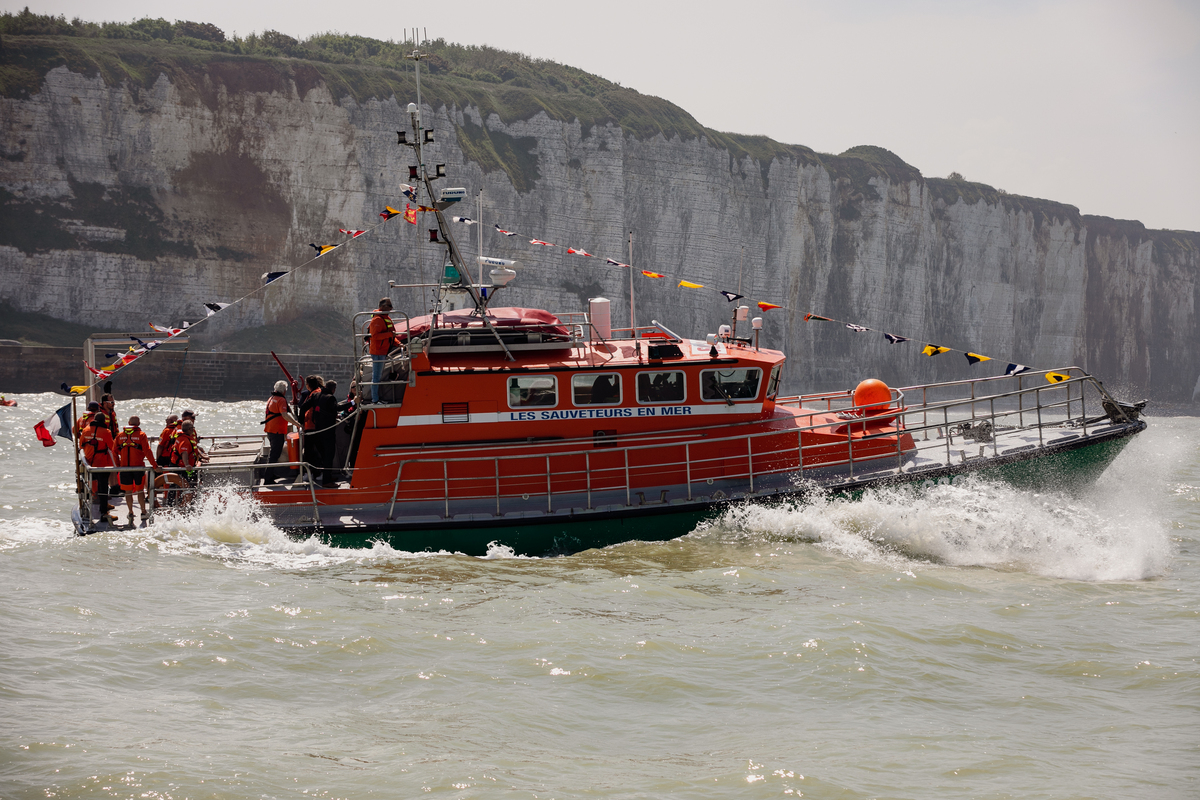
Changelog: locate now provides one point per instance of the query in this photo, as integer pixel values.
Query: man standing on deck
(276, 426)
(190, 416)
(85, 419)
(382, 338)
(97, 444)
(187, 455)
(133, 450)
(163, 452)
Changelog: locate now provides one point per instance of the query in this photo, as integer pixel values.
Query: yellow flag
(322, 249)
(1057, 377)
(932, 350)
(975, 358)
(78, 389)
(691, 285)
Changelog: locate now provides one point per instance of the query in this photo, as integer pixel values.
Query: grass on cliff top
(951, 190)
(509, 85)
(198, 58)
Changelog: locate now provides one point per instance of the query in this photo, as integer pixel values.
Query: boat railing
(397, 361)
(191, 481)
(940, 426)
(943, 434)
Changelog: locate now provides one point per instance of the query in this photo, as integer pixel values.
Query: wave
(1104, 535)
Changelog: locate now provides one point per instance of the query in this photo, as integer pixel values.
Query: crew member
(310, 441)
(325, 415)
(97, 444)
(347, 406)
(109, 406)
(185, 454)
(81, 422)
(381, 335)
(133, 450)
(276, 426)
(162, 453)
(190, 416)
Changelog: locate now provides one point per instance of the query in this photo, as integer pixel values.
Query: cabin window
(603, 389)
(773, 382)
(526, 391)
(660, 387)
(726, 385)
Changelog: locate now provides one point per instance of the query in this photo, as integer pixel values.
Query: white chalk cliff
(127, 205)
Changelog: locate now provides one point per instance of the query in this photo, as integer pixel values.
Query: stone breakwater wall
(136, 202)
(197, 375)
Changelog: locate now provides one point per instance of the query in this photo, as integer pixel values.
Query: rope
(179, 380)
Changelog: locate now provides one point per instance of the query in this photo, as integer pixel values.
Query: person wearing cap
(162, 453)
(197, 452)
(276, 426)
(84, 419)
(381, 336)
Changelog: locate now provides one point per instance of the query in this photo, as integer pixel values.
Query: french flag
(57, 424)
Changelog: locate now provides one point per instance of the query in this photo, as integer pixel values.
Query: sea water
(967, 641)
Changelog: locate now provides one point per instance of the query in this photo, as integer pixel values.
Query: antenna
(632, 321)
(741, 259)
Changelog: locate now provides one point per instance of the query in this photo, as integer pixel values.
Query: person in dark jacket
(319, 415)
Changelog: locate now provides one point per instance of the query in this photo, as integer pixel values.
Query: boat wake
(1108, 534)
(223, 523)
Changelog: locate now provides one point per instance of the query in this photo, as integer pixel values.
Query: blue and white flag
(1017, 369)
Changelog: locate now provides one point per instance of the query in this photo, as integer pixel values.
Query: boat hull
(1066, 466)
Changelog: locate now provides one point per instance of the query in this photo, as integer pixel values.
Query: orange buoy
(873, 396)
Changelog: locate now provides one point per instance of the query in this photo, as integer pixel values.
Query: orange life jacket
(310, 423)
(276, 422)
(133, 448)
(97, 444)
(193, 440)
(164, 441)
(382, 333)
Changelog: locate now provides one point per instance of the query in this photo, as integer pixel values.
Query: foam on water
(1111, 532)
(224, 523)
(499, 552)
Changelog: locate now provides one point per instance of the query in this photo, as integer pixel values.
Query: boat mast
(420, 136)
(741, 261)
(632, 321)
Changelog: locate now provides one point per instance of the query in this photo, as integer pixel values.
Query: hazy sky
(1095, 103)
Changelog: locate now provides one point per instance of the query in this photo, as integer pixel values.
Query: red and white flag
(351, 233)
(103, 372)
(170, 331)
(543, 244)
(579, 252)
(616, 263)
(57, 424)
